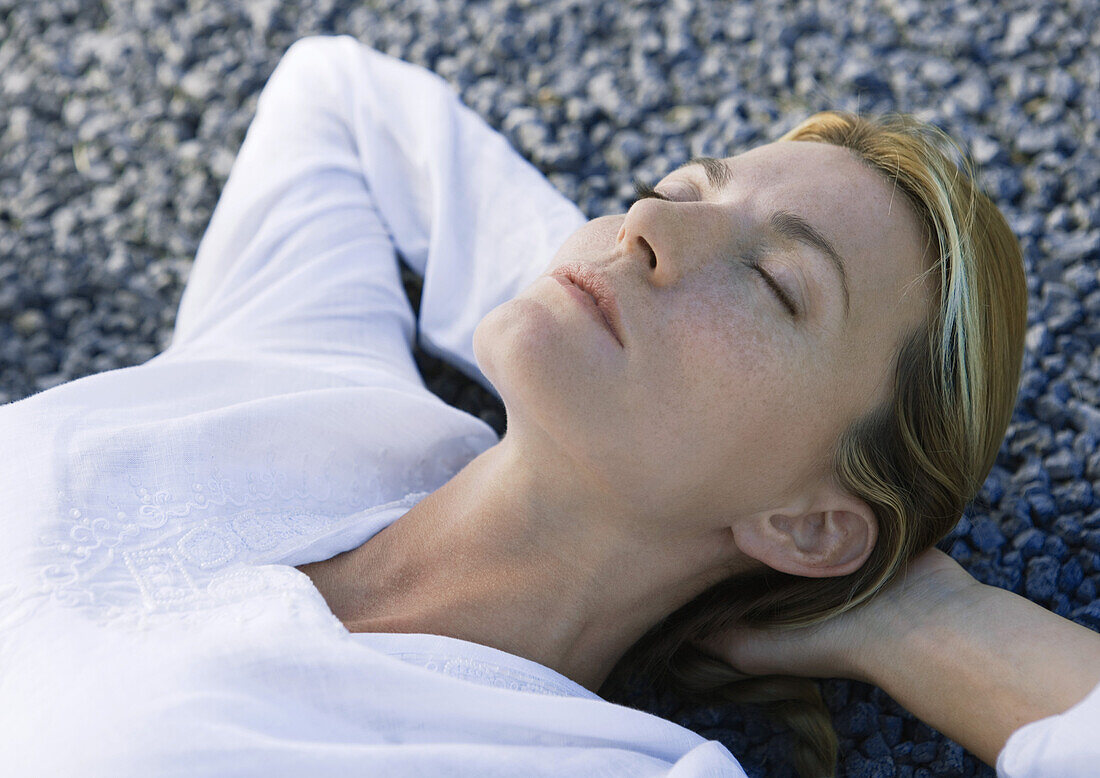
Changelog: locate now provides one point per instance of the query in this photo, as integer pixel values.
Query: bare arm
(984, 665)
(974, 661)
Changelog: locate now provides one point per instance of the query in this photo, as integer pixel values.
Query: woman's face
(719, 398)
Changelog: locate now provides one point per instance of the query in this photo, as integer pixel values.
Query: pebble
(1077, 247)
(973, 94)
(1042, 575)
(1063, 465)
(949, 761)
(1086, 592)
(986, 536)
(29, 322)
(923, 753)
(875, 747)
(858, 720)
(1029, 542)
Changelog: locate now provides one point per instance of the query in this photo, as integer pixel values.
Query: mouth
(598, 288)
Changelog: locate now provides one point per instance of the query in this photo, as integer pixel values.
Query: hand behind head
(840, 647)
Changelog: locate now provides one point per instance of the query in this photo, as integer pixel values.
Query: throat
(340, 593)
(377, 588)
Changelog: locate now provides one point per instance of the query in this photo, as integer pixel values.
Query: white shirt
(1063, 746)
(151, 619)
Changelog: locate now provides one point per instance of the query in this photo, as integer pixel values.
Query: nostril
(652, 254)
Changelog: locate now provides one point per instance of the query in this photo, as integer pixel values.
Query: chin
(515, 345)
(559, 410)
(542, 374)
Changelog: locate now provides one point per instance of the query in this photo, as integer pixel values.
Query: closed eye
(777, 290)
(642, 191)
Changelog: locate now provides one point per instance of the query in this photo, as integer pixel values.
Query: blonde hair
(916, 460)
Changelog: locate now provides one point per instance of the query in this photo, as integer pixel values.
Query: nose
(672, 238)
(636, 240)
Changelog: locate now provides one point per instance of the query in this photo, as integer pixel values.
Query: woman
(270, 549)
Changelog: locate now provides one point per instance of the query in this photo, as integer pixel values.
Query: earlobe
(817, 544)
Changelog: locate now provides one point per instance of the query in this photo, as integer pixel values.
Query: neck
(504, 556)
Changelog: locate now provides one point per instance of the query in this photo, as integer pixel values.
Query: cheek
(739, 372)
(728, 344)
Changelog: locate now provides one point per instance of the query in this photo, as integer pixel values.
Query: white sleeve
(353, 153)
(465, 210)
(1066, 745)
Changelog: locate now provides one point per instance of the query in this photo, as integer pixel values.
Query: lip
(597, 286)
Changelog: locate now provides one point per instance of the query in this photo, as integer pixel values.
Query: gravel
(119, 122)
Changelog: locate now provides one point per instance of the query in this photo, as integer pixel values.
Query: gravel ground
(119, 122)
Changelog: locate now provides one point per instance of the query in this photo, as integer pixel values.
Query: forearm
(983, 665)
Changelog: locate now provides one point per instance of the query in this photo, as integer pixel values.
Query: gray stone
(627, 149)
(938, 73)
(973, 94)
(1021, 26)
(1078, 247)
(29, 322)
(199, 84)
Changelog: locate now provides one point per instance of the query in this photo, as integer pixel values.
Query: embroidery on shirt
(169, 546)
(484, 673)
(139, 531)
(161, 577)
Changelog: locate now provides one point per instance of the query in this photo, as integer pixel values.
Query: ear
(833, 538)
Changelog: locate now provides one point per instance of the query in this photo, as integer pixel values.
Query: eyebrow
(784, 223)
(717, 170)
